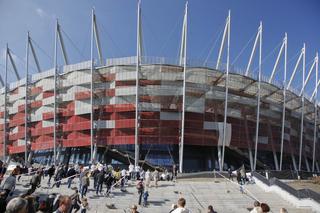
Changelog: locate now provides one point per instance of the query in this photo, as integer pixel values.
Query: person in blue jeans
(85, 184)
(145, 198)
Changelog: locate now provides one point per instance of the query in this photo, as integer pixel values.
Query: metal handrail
(300, 194)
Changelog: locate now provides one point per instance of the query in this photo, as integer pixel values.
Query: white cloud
(41, 12)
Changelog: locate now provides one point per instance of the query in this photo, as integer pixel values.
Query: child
(84, 205)
(145, 198)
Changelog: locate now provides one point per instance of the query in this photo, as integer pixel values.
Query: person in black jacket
(94, 175)
(71, 175)
(51, 171)
(100, 178)
(60, 174)
(109, 181)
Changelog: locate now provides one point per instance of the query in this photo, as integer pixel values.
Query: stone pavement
(199, 193)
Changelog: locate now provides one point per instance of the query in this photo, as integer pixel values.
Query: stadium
(160, 111)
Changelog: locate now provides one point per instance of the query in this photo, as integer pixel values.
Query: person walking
(71, 175)
(34, 182)
(148, 177)
(109, 180)
(131, 171)
(145, 198)
(230, 174)
(140, 188)
(51, 172)
(123, 179)
(85, 182)
(9, 184)
(243, 175)
(156, 177)
(100, 180)
(174, 172)
(59, 176)
(95, 179)
(75, 201)
(81, 174)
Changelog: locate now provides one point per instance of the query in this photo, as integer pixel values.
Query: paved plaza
(199, 193)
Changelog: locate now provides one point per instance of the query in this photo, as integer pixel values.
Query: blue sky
(162, 22)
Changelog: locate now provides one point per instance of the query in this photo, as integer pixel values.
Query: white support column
(138, 61)
(226, 93)
(250, 158)
(315, 136)
(183, 59)
(225, 31)
(307, 163)
(248, 141)
(13, 65)
(97, 38)
(63, 49)
(275, 159)
(55, 94)
(91, 90)
(294, 162)
(295, 68)
(219, 156)
(34, 55)
(285, 40)
(253, 52)
(5, 106)
(302, 102)
(26, 103)
(258, 101)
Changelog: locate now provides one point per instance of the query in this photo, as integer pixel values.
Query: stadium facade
(160, 110)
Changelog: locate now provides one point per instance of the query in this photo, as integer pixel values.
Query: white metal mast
(258, 101)
(91, 88)
(5, 106)
(315, 115)
(5, 131)
(259, 36)
(302, 52)
(26, 103)
(183, 62)
(225, 34)
(302, 102)
(94, 36)
(283, 48)
(138, 62)
(55, 59)
(58, 38)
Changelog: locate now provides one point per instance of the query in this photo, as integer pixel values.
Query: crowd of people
(103, 177)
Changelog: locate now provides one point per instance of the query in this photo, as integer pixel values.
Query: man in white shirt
(181, 206)
(131, 172)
